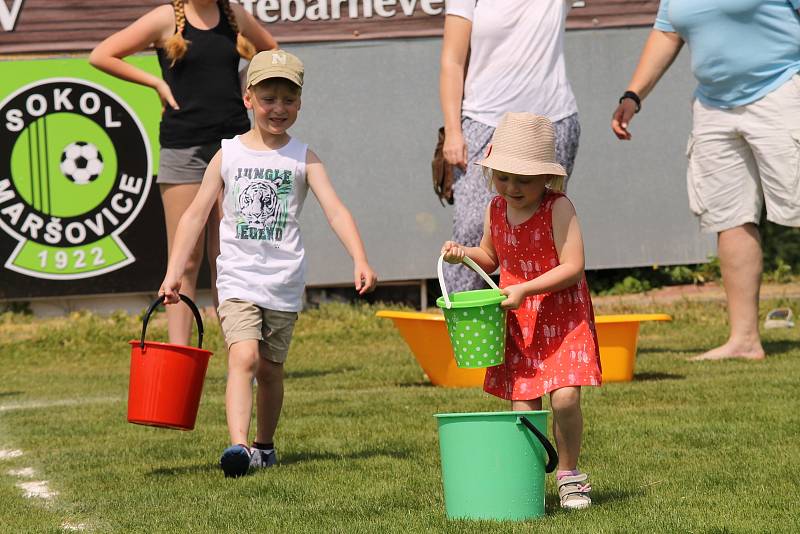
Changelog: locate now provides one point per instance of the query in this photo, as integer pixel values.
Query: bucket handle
(472, 265)
(192, 307)
(552, 455)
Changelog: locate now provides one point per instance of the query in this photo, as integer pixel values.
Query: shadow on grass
(312, 373)
(4, 394)
(779, 348)
(293, 458)
(599, 498)
(671, 350)
(288, 459)
(415, 384)
(657, 376)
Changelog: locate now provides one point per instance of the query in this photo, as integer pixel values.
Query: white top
(516, 58)
(261, 258)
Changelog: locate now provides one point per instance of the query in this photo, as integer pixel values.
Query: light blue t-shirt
(741, 49)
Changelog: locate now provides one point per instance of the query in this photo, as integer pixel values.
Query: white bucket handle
(472, 265)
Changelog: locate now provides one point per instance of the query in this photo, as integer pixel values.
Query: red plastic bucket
(166, 380)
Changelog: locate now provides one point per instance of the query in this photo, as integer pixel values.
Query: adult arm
(569, 246)
(190, 226)
(453, 64)
(484, 254)
(153, 28)
(341, 221)
(253, 30)
(659, 52)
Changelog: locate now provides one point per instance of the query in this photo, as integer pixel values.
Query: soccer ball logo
(81, 162)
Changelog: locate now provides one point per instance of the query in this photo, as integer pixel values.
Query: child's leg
(567, 425)
(526, 405)
(269, 399)
(243, 361)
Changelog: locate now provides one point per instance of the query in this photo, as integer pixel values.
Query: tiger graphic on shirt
(260, 198)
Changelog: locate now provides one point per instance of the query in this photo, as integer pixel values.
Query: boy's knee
(243, 358)
(565, 399)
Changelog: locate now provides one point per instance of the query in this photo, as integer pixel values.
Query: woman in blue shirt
(744, 151)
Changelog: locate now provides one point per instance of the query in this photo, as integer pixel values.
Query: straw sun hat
(523, 143)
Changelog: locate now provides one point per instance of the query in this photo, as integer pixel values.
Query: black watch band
(633, 96)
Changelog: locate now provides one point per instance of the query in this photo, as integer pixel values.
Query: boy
(265, 174)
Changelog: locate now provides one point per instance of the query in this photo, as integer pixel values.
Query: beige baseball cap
(275, 64)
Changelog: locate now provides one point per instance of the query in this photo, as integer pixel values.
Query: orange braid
(243, 45)
(176, 46)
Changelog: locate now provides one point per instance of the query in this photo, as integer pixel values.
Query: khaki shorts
(242, 320)
(745, 157)
(185, 165)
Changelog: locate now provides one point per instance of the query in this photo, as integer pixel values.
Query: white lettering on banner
(60, 99)
(36, 105)
(297, 10)
(110, 122)
(8, 17)
(15, 122)
(5, 192)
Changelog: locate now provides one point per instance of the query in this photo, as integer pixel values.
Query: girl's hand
(365, 278)
(455, 150)
(453, 252)
(165, 94)
(622, 118)
(170, 289)
(516, 295)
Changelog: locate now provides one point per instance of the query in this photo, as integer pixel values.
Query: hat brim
(517, 166)
(277, 73)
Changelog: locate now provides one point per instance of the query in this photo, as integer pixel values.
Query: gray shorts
(184, 165)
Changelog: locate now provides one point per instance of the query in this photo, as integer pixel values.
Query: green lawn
(686, 447)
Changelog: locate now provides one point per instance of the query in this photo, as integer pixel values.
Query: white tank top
(261, 258)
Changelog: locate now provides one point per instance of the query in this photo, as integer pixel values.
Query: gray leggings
(472, 195)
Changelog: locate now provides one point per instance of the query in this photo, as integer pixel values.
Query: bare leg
(176, 198)
(269, 399)
(243, 360)
(567, 425)
(740, 260)
(526, 405)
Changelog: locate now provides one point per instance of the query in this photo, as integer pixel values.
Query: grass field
(686, 447)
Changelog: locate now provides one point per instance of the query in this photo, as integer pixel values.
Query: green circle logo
(74, 173)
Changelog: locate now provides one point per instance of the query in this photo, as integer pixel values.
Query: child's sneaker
(261, 458)
(235, 460)
(574, 491)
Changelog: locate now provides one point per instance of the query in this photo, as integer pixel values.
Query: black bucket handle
(192, 307)
(552, 455)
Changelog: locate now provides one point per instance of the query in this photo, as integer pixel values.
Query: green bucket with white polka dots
(475, 322)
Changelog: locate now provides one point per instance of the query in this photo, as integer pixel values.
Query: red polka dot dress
(551, 341)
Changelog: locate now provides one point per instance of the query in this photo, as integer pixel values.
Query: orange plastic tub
(426, 336)
(618, 336)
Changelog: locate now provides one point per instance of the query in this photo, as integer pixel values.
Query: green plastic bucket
(475, 321)
(493, 464)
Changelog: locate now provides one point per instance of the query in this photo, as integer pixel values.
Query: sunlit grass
(686, 447)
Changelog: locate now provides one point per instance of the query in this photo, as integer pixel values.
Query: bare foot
(732, 350)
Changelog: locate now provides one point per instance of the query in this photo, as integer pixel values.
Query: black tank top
(205, 83)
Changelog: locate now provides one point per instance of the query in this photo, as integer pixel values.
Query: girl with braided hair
(199, 44)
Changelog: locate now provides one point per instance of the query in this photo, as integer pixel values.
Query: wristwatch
(633, 96)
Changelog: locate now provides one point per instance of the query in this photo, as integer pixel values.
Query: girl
(531, 232)
(199, 43)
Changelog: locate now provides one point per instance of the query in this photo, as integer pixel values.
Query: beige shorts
(242, 320)
(745, 157)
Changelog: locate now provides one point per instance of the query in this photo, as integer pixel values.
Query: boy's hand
(170, 289)
(366, 279)
(516, 294)
(453, 252)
